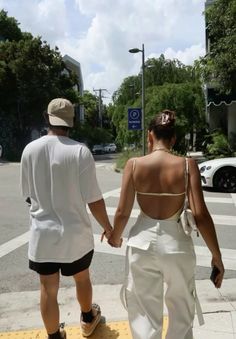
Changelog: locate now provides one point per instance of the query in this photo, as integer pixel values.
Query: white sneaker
(88, 328)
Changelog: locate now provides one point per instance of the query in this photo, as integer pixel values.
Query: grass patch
(125, 156)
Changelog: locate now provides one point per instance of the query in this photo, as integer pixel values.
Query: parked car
(0, 151)
(98, 149)
(129, 147)
(219, 173)
(110, 148)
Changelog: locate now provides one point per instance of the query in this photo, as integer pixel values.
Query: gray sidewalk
(21, 310)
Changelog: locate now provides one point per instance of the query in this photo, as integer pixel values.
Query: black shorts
(67, 269)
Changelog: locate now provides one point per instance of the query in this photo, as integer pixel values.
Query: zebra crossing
(202, 252)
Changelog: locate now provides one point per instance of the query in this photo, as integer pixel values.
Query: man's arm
(98, 210)
(125, 205)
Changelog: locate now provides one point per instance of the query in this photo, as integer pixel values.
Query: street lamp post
(137, 50)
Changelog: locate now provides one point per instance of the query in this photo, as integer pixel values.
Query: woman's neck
(160, 145)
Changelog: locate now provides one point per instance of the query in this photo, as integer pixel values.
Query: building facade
(74, 66)
(220, 108)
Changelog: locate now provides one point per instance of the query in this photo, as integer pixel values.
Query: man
(59, 178)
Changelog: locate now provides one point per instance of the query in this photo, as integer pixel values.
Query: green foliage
(169, 84)
(9, 29)
(90, 103)
(91, 136)
(31, 74)
(124, 157)
(220, 64)
(219, 146)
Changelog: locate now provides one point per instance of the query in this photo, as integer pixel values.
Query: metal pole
(100, 107)
(143, 102)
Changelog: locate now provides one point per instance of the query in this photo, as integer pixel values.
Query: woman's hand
(217, 261)
(115, 241)
(107, 233)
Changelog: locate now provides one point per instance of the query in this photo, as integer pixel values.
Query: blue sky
(99, 33)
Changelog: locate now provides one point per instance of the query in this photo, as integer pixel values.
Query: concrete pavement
(20, 311)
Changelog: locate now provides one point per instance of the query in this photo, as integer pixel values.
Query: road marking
(100, 165)
(229, 220)
(233, 195)
(113, 193)
(202, 253)
(216, 200)
(13, 244)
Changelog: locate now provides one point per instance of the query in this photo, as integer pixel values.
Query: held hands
(115, 241)
(107, 233)
(112, 239)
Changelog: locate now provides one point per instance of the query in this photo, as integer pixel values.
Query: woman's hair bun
(166, 118)
(163, 124)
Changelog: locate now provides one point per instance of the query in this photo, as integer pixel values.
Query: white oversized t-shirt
(58, 174)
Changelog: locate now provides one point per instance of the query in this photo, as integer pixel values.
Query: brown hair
(163, 125)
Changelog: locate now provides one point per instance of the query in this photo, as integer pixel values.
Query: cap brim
(55, 121)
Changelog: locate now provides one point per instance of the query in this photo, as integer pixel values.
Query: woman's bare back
(163, 174)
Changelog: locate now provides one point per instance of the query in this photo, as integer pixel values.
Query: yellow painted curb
(111, 330)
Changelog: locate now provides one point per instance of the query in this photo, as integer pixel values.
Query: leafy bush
(219, 146)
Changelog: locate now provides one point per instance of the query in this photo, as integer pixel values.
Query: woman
(158, 250)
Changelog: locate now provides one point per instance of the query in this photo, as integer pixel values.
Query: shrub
(219, 146)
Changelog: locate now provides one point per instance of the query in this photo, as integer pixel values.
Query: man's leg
(84, 290)
(90, 313)
(48, 302)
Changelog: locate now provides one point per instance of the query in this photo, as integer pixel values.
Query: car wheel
(225, 179)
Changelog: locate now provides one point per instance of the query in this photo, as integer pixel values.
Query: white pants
(159, 251)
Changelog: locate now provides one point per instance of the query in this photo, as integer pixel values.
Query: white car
(98, 149)
(219, 173)
(110, 148)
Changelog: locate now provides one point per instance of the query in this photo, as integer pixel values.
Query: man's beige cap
(61, 112)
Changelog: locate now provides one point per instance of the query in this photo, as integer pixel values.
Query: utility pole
(100, 103)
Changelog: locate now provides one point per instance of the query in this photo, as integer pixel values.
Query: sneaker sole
(93, 329)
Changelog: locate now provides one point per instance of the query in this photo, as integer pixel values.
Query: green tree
(9, 29)
(90, 103)
(31, 74)
(187, 100)
(219, 65)
(169, 84)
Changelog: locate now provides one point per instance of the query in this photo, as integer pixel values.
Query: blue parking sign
(134, 118)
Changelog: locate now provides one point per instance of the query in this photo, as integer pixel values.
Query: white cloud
(99, 33)
(188, 55)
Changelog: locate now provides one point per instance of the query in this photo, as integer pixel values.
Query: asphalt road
(108, 264)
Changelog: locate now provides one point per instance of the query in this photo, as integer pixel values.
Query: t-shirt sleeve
(89, 187)
(24, 183)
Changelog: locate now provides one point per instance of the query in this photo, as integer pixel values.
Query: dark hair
(64, 128)
(163, 125)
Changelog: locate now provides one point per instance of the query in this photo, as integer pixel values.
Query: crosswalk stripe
(13, 244)
(220, 200)
(202, 253)
(229, 220)
(217, 200)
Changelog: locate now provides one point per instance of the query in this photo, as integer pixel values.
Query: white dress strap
(198, 309)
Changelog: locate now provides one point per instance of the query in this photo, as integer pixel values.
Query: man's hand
(115, 241)
(107, 233)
